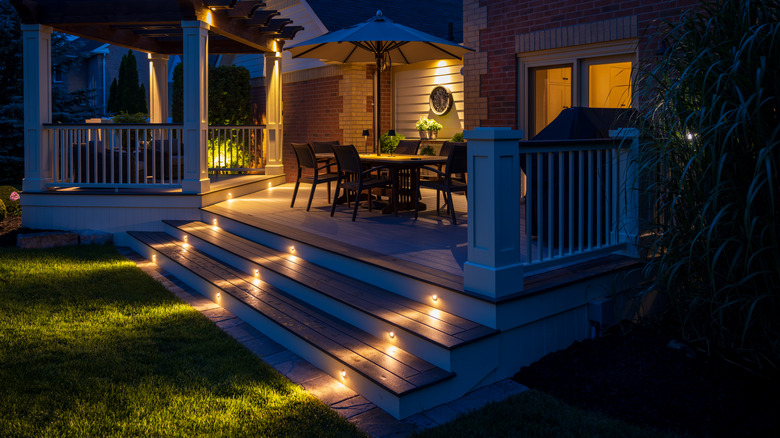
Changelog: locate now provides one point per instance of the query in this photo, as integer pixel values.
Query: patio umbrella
(378, 40)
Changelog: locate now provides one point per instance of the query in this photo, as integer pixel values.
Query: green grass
(91, 346)
(535, 414)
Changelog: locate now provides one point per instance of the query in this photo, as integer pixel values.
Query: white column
(273, 111)
(158, 88)
(196, 114)
(494, 267)
(37, 106)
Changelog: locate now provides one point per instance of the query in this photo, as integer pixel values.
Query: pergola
(191, 28)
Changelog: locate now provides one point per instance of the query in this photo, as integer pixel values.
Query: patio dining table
(403, 172)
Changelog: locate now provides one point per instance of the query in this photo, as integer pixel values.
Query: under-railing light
(343, 373)
(257, 272)
(154, 258)
(292, 249)
(391, 334)
(435, 297)
(185, 238)
(215, 222)
(219, 295)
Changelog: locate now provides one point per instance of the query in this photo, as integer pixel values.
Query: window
(598, 75)
(56, 75)
(609, 84)
(550, 93)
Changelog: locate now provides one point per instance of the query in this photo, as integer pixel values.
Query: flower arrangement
(426, 124)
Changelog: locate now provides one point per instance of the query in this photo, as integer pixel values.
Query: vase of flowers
(428, 128)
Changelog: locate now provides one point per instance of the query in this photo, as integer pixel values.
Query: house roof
(156, 25)
(430, 16)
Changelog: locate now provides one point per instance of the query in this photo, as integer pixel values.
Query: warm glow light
(230, 195)
(215, 222)
(154, 258)
(218, 295)
(392, 334)
(292, 249)
(185, 237)
(343, 373)
(256, 282)
(393, 350)
(257, 272)
(435, 313)
(435, 297)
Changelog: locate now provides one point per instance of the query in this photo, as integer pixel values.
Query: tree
(66, 107)
(229, 89)
(127, 95)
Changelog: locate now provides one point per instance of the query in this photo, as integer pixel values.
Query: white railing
(116, 155)
(575, 200)
(235, 148)
(539, 206)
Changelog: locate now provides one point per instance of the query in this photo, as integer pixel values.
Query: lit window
(609, 85)
(550, 94)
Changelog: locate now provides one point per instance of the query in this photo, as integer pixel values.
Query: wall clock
(440, 100)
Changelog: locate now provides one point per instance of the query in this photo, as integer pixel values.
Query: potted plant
(428, 128)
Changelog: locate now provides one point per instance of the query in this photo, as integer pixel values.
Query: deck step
(327, 288)
(435, 278)
(319, 338)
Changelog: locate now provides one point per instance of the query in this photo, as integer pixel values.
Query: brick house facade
(504, 31)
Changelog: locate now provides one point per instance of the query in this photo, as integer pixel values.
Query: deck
(430, 241)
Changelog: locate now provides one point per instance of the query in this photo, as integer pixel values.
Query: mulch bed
(632, 373)
(10, 227)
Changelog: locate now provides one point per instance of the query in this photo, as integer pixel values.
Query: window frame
(579, 57)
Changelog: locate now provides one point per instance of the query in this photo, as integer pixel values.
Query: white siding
(301, 15)
(413, 85)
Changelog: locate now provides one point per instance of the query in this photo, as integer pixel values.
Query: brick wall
(334, 102)
(498, 28)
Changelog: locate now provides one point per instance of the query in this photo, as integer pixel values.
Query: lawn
(92, 346)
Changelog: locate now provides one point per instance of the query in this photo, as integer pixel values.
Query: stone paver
(349, 405)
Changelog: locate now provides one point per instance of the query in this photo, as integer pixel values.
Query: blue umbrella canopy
(378, 37)
(378, 40)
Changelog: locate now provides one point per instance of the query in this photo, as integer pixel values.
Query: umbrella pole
(378, 108)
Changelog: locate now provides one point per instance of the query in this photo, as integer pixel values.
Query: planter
(428, 135)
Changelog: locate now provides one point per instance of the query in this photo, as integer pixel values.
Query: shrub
(710, 116)
(457, 137)
(132, 118)
(3, 213)
(11, 205)
(388, 144)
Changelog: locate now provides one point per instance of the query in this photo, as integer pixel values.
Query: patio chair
(447, 180)
(407, 147)
(352, 177)
(323, 147)
(306, 160)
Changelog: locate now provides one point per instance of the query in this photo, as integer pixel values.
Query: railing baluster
(528, 213)
(540, 207)
(560, 193)
(599, 198)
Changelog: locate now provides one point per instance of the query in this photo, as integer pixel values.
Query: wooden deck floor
(429, 241)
